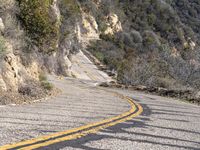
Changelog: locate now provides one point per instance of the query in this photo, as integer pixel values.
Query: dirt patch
(27, 93)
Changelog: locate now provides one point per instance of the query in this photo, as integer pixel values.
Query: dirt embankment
(29, 93)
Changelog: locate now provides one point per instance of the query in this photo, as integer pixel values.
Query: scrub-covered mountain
(149, 42)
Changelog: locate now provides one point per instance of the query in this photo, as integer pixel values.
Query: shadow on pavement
(141, 122)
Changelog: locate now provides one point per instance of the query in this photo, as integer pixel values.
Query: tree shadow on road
(142, 123)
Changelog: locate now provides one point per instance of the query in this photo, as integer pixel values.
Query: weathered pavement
(79, 104)
(83, 68)
(164, 124)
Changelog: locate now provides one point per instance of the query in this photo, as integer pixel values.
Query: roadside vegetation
(44, 82)
(155, 47)
(159, 44)
(39, 24)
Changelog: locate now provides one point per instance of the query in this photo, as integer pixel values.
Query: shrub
(34, 15)
(99, 56)
(102, 25)
(44, 82)
(151, 19)
(107, 37)
(46, 85)
(127, 39)
(71, 6)
(137, 38)
(151, 39)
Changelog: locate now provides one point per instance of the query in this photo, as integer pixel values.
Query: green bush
(34, 15)
(107, 37)
(102, 26)
(100, 56)
(44, 82)
(71, 6)
(46, 85)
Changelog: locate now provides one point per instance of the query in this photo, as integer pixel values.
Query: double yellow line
(79, 132)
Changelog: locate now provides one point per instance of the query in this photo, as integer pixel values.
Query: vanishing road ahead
(87, 117)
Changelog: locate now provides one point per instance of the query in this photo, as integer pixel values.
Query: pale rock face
(192, 45)
(68, 66)
(174, 52)
(89, 26)
(12, 72)
(33, 70)
(9, 72)
(97, 2)
(113, 23)
(2, 27)
(86, 30)
(2, 84)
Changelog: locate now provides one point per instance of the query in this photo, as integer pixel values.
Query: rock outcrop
(22, 58)
(113, 24)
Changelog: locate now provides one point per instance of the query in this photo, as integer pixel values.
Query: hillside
(157, 45)
(149, 42)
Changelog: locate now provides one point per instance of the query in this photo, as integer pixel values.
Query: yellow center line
(81, 134)
(88, 129)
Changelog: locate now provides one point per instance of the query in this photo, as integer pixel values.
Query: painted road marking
(79, 132)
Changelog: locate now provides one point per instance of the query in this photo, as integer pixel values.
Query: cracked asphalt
(165, 124)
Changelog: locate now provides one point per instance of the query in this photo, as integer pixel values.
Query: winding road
(87, 117)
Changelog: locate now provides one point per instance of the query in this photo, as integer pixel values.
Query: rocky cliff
(35, 36)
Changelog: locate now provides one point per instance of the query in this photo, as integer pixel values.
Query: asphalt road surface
(83, 68)
(66, 122)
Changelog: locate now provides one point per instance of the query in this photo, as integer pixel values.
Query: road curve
(79, 104)
(165, 124)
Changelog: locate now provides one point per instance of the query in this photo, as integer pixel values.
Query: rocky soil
(31, 92)
(24, 56)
